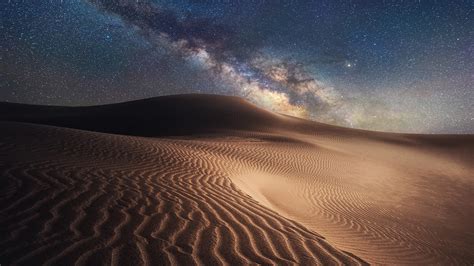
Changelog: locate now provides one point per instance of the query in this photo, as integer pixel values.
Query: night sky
(401, 66)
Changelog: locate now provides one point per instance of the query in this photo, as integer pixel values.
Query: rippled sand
(199, 179)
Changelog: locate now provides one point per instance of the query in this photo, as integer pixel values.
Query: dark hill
(166, 115)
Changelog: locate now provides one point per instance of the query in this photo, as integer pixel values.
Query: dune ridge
(148, 201)
(139, 183)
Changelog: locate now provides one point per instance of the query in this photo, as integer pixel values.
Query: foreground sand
(234, 184)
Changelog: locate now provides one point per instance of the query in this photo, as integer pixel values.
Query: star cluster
(389, 65)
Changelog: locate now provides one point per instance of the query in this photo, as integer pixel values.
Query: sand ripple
(71, 196)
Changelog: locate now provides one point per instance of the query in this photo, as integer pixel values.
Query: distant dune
(205, 179)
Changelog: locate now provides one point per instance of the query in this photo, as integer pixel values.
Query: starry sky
(398, 66)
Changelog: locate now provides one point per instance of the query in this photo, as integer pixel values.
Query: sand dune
(199, 179)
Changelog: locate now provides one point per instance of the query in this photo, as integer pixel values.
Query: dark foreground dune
(200, 179)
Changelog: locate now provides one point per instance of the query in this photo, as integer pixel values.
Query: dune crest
(199, 179)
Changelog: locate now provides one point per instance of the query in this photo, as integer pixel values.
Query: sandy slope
(226, 182)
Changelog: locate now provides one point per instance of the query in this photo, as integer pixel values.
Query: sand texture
(201, 179)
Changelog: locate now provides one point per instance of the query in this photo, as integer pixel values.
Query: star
(356, 65)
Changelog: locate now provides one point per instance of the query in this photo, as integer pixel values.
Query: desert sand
(202, 179)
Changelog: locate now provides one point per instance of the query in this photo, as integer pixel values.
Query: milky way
(329, 62)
